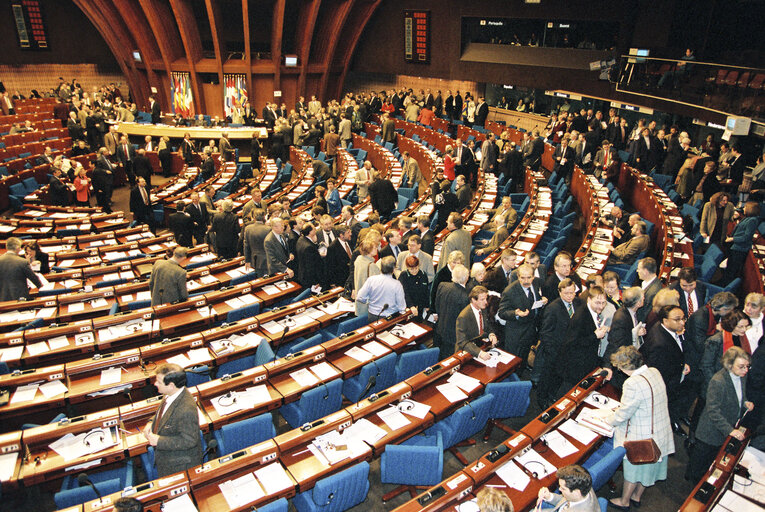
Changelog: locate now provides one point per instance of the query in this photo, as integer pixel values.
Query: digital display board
(30, 25)
(417, 36)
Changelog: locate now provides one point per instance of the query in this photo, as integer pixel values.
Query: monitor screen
(290, 60)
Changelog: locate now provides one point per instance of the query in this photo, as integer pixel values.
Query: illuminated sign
(417, 36)
(30, 26)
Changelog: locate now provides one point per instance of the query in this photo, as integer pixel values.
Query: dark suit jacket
(167, 283)
(481, 113)
(569, 154)
(555, 325)
(428, 242)
(200, 217)
(276, 255)
(156, 113)
(141, 210)
(495, 279)
(181, 225)
(550, 288)
(700, 326)
(662, 352)
(208, 169)
(650, 293)
(722, 409)
(444, 275)
(451, 299)
(388, 251)
(122, 156)
(225, 225)
(701, 295)
(254, 236)
(15, 271)
(338, 263)
(579, 353)
(310, 267)
(57, 192)
(519, 330)
(467, 329)
(142, 168)
(383, 196)
(179, 446)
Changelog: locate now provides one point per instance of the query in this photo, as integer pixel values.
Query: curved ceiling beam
(187, 25)
(216, 30)
(150, 8)
(247, 49)
(306, 27)
(277, 31)
(112, 37)
(131, 12)
(336, 31)
(345, 54)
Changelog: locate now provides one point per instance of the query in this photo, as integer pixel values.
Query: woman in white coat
(636, 418)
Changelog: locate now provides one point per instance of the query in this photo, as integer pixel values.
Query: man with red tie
(474, 322)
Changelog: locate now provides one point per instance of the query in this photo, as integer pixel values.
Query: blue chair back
(511, 399)
(382, 371)
(264, 353)
(417, 461)
(241, 434)
(604, 469)
(197, 375)
(337, 492)
(236, 365)
(351, 324)
(465, 422)
(244, 312)
(415, 361)
(314, 404)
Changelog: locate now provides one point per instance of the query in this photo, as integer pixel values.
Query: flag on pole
(180, 90)
(235, 92)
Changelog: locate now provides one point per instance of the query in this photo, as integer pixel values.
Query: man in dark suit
(650, 283)
(481, 112)
(564, 157)
(555, 324)
(474, 322)
(533, 158)
(168, 279)
(623, 333)
(664, 350)
(181, 225)
(338, 260)
(383, 197)
(225, 226)
(16, 271)
(174, 430)
(540, 270)
(208, 166)
(269, 115)
(462, 158)
(310, 267)
(348, 219)
(693, 293)
(156, 114)
(388, 133)
(140, 205)
(516, 308)
(498, 277)
(451, 298)
(426, 234)
(126, 155)
(142, 167)
(579, 353)
(253, 240)
(200, 217)
(561, 270)
(393, 238)
(103, 180)
(57, 190)
(444, 274)
(463, 192)
(277, 247)
(648, 152)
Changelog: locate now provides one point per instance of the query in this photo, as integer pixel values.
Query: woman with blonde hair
(363, 267)
(715, 216)
(490, 499)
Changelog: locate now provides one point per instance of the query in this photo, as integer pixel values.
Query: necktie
(284, 244)
(143, 194)
(158, 417)
(570, 309)
(347, 249)
(480, 323)
(690, 305)
(127, 153)
(600, 320)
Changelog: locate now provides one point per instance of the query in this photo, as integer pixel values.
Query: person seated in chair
(576, 493)
(627, 252)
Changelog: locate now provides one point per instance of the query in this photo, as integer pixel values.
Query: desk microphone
(126, 393)
(83, 479)
(372, 380)
(281, 340)
(472, 411)
(212, 445)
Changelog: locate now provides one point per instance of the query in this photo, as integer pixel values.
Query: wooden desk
(152, 494)
(196, 132)
(37, 407)
(45, 345)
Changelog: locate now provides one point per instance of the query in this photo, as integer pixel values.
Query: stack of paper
(513, 475)
(559, 444)
(241, 491)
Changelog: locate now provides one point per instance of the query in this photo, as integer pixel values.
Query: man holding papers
(576, 493)
(520, 306)
(174, 430)
(474, 322)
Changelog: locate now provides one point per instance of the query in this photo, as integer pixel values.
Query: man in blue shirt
(383, 293)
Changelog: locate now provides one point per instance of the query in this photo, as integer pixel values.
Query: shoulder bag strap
(628, 421)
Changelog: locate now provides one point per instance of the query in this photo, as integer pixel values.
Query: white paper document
(53, 388)
(464, 382)
(35, 349)
(111, 376)
(241, 491)
(513, 475)
(273, 478)
(393, 418)
(324, 371)
(451, 392)
(376, 349)
(359, 354)
(576, 431)
(304, 377)
(182, 503)
(58, 342)
(559, 444)
(7, 465)
(76, 307)
(535, 464)
(25, 393)
(412, 408)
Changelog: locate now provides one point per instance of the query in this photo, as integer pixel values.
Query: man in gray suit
(15, 270)
(254, 236)
(414, 245)
(412, 173)
(344, 130)
(174, 430)
(168, 279)
(576, 492)
(473, 322)
(458, 240)
(647, 270)
(627, 252)
(451, 299)
(276, 246)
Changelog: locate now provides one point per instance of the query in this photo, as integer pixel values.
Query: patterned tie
(480, 323)
(570, 309)
(600, 320)
(690, 305)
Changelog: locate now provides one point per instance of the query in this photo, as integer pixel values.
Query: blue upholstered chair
(602, 470)
(241, 434)
(280, 505)
(147, 459)
(314, 404)
(107, 482)
(244, 312)
(414, 464)
(337, 492)
(462, 424)
(349, 325)
(381, 373)
(413, 362)
(511, 400)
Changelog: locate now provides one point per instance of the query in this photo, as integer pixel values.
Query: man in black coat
(225, 226)
(647, 272)
(474, 322)
(142, 166)
(564, 157)
(428, 243)
(126, 155)
(200, 218)
(579, 354)
(664, 350)
(338, 260)
(451, 299)
(690, 290)
(444, 275)
(310, 267)
(622, 324)
(481, 112)
(446, 202)
(383, 197)
(561, 270)
(103, 180)
(533, 158)
(208, 166)
(516, 308)
(57, 190)
(498, 277)
(156, 114)
(140, 204)
(181, 225)
(555, 325)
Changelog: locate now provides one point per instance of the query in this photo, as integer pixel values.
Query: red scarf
(728, 342)
(711, 322)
